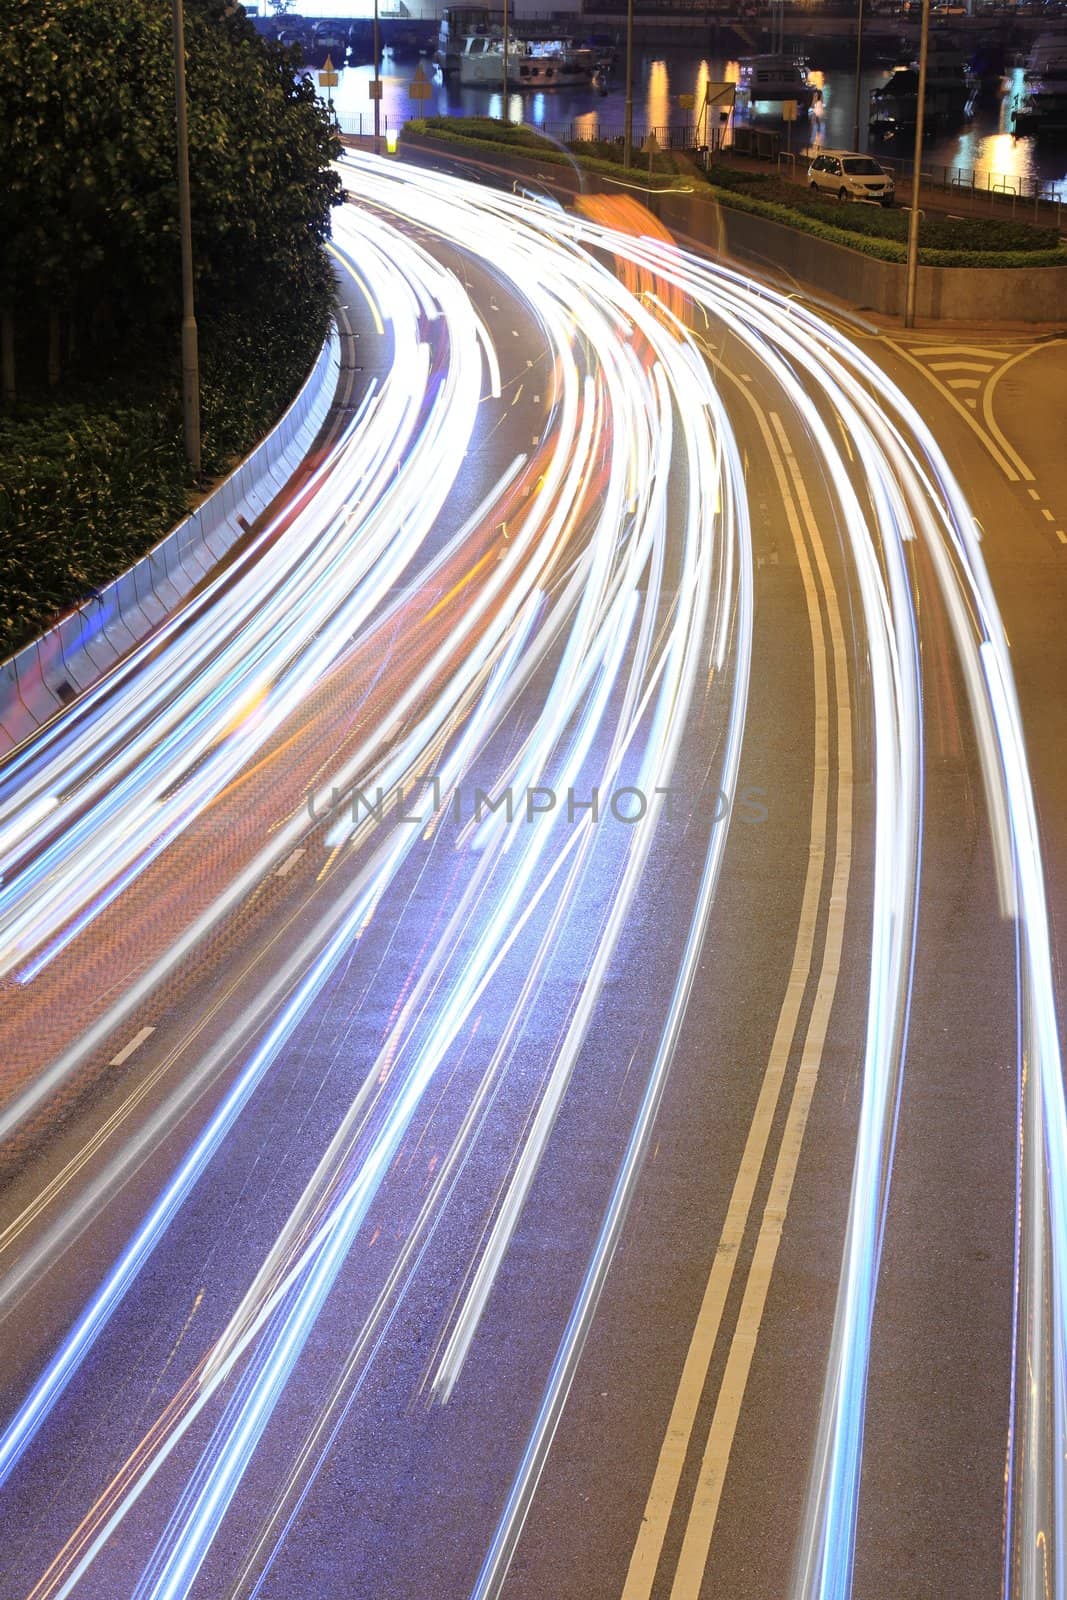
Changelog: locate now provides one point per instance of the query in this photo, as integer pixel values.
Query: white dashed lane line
(127, 1050)
(290, 862)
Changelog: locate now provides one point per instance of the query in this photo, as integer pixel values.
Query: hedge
(871, 230)
(89, 484)
(532, 145)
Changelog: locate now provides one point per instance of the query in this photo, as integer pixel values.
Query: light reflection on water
(984, 144)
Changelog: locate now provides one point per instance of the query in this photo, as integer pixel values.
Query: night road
(532, 1046)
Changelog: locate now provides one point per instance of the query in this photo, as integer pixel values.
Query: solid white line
(127, 1050)
(961, 366)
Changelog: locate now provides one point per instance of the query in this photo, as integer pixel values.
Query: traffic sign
(327, 77)
(789, 110)
(687, 101)
(419, 87)
(721, 95)
(374, 88)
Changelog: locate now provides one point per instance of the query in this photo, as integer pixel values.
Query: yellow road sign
(789, 111)
(720, 94)
(687, 101)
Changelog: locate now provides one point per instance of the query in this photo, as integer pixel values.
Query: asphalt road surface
(531, 1048)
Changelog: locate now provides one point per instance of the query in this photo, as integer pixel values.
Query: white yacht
(551, 65)
(482, 61)
(774, 79)
(532, 64)
(1042, 110)
(457, 24)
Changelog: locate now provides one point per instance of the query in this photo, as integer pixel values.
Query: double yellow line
(677, 1442)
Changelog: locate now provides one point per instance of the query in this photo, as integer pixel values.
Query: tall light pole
(507, 114)
(912, 271)
(859, 61)
(190, 354)
(377, 86)
(628, 130)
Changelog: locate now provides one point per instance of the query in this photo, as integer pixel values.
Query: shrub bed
(90, 484)
(872, 230)
(514, 139)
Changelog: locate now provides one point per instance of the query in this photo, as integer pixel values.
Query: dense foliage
(88, 204)
(91, 471)
(89, 485)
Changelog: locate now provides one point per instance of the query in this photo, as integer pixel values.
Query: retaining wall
(74, 654)
(950, 294)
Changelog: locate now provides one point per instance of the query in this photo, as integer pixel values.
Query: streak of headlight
(907, 492)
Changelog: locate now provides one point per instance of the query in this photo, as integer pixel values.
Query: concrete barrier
(950, 294)
(75, 654)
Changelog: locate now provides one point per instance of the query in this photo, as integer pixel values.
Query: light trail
(582, 646)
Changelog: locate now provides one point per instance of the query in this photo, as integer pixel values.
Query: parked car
(851, 176)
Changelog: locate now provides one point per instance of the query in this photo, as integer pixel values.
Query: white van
(851, 176)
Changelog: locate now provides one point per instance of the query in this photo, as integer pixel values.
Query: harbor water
(983, 145)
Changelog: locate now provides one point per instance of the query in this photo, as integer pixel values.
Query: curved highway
(463, 980)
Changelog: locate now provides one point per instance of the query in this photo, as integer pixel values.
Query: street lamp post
(859, 61)
(628, 128)
(190, 354)
(912, 272)
(507, 116)
(377, 85)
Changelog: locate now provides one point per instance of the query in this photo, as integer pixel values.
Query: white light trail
(570, 635)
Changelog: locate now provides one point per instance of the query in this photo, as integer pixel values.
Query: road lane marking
(648, 1548)
(1047, 514)
(290, 862)
(990, 419)
(1061, 536)
(1033, 494)
(960, 350)
(992, 439)
(127, 1050)
(704, 1512)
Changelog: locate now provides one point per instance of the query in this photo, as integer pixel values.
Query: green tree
(88, 202)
